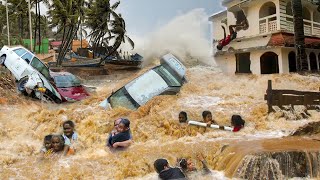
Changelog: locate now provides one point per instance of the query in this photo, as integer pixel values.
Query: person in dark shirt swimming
(166, 172)
(121, 135)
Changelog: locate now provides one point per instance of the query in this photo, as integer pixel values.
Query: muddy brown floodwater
(156, 131)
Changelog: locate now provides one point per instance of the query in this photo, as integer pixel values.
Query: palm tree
(17, 11)
(301, 58)
(66, 17)
(106, 26)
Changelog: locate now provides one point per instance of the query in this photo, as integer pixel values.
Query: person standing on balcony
(233, 34)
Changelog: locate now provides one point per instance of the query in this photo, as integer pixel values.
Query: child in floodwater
(70, 136)
(46, 150)
(183, 117)
(237, 122)
(207, 118)
(166, 172)
(121, 137)
(188, 167)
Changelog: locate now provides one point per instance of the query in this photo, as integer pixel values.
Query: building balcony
(269, 24)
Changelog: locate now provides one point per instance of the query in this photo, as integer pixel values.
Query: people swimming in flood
(237, 122)
(232, 34)
(166, 172)
(70, 135)
(207, 118)
(187, 165)
(46, 151)
(120, 136)
(183, 117)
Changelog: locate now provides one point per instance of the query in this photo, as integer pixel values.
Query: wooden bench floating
(283, 97)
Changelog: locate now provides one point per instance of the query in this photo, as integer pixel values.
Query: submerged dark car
(69, 86)
(167, 78)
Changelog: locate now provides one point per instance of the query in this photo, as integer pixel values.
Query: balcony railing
(269, 24)
(310, 27)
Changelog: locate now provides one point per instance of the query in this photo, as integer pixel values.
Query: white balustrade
(310, 27)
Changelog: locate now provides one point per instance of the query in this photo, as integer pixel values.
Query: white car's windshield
(168, 75)
(38, 65)
(65, 81)
(122, 98)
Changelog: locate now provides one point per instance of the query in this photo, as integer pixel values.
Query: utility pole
(8, 31)
(30, 26)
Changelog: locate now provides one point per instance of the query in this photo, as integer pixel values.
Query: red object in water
(237, 128)
(69, 86)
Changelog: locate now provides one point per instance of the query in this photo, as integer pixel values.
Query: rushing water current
(155, 128)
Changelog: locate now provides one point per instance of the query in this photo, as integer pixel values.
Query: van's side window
(27, 57)
(20, 51)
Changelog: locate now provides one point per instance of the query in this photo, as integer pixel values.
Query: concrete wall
(227, 63)
(216, 30)
(252, 13)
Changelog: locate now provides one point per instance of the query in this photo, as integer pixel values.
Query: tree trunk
(39, 16)
(21, 25)
(301, 57)
(35, 29)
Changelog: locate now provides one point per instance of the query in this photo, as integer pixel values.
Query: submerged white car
(22, 63)
(167, 78)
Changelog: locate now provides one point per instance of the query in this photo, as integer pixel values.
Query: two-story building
(267, 46)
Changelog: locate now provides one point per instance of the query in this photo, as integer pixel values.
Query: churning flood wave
(155, 128)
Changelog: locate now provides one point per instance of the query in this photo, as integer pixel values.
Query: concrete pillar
(317, 57)
(308, 58)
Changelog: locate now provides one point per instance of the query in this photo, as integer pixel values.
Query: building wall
(227, 63)
(252, 14)
(216, 30)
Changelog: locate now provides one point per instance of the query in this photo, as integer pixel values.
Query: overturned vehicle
(165, 79)
(32, 75)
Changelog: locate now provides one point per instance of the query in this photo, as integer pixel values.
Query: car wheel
(21, 85)
(2, 59)
(47, 98)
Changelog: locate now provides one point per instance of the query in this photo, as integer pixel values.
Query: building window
(313, 62)
(292, 62)
(269, 63)
(243, 63)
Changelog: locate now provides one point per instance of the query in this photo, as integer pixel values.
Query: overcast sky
(143, 16)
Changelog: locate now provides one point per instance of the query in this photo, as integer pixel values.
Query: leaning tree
(66, 16)
(108, 28)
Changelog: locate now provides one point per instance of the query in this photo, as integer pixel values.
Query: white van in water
(167, 78)
(22, 63)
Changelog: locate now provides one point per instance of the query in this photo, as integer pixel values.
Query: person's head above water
(160, 165)
(183, 117)
(219, 46)
(207, 116)
(124, 125)
(57, 143)
(186, 164)
(116, 124)
(236, 120)
(47, 141)
(68, 128)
